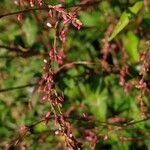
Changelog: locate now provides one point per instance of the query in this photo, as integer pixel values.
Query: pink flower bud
(23, 129)
(77, 23)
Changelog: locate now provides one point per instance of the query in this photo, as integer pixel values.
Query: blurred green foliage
(83, 85)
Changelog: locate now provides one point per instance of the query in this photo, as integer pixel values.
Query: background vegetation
(92, 78)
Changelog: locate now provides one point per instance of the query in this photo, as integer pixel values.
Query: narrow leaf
(138, 5)
(125, 18)
(132, 49)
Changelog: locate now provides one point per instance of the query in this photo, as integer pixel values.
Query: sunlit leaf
(132, 49)
(125, 18)
(93, 19)
(40, 127)
(138, 5)
(30, 29)
(123, 22)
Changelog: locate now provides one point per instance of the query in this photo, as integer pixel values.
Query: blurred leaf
(40, 127)
(91, 19)
(132, 49)
(125, 18)
(8, 34)
(30, 29)
(96, 100)
(138, 5)
(86, 88)
(3, 111)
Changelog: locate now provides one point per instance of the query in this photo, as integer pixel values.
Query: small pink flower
(56, 56)
(23, 129)
(20, 17)
(40, 2)
(62, 34)
(32, 3)
(77, 23)
(148, 42)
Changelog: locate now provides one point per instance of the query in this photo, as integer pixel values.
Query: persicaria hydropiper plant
(56, 54)
(112, 60)
(47, 84)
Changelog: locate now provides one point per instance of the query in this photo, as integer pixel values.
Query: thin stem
(125, 125)
(23, 52)
(137, 121)
(14, 49)
(67, 65)
(46, 8)
(22, 11)
(71, 64)
(17, 88)
(55, 37)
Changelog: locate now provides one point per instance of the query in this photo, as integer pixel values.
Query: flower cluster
(47, 85)
(68, 17)
(50, 94)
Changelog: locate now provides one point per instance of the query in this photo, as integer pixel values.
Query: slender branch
(78, 118)
(90, 3)
(31, 126)
(46, 8)
(125, 125)
(16, 88)
(137, 121)
(67, 65)
(22, 11)
(71, 64)
(23, 52)
(15, 49)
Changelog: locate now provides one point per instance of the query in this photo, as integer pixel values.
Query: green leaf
(138, 5)
(96, 100)
(40, 127)
(30, 29)
(132, 49)
(92, 19)
(125, 18)
(123, 22)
